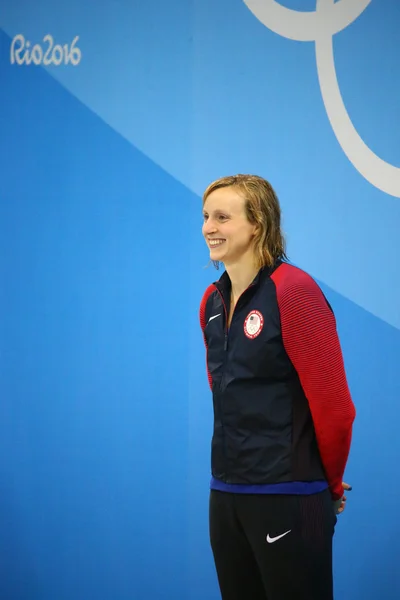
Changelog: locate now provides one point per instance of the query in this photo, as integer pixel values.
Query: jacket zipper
(226, 320)
(226, 333)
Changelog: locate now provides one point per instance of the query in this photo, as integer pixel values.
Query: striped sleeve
(203, 323)
(312, 344)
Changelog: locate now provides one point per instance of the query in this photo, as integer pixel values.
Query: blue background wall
(105, 412)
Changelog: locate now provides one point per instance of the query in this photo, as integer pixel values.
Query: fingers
(342, 505)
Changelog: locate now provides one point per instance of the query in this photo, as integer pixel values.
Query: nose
(209, 227)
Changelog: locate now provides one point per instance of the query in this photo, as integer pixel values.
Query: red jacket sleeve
(312, 344)
(203, 322)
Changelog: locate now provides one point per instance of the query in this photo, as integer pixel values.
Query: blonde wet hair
(262, 209)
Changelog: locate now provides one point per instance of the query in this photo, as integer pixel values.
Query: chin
(217, 256)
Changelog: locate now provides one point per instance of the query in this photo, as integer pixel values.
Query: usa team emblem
(253, 324)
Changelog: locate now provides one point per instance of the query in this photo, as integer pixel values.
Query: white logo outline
(320, 26)
(271, 540)
(253, 330)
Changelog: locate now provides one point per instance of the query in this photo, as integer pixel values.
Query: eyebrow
(217, 211)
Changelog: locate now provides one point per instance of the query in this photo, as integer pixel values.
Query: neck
(241, 275)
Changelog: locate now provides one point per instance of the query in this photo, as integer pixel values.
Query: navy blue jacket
(268, 374)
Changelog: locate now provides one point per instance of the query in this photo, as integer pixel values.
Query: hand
(340, 505)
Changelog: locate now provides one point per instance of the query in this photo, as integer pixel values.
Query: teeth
(216, 242)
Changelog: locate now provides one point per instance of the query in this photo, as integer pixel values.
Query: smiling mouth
(215, 243)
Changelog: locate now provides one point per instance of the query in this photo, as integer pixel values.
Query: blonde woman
(283, 413)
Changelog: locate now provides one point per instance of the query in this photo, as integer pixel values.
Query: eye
(222, 218)
(205, 217)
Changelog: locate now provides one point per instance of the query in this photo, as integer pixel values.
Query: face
(226, 229)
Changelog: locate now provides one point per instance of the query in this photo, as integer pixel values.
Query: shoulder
(288, 277)
(203, 303)
(295, 287)
(208, 292)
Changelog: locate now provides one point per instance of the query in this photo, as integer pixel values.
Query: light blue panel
(206, 89)
(135, 65)
(259, 109)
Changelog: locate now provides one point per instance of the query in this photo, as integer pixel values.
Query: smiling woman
(228, 232)
(261, 215)
(283, 412)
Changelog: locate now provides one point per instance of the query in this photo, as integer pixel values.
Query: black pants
(273, 547)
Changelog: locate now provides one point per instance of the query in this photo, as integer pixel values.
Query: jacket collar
(223, 284)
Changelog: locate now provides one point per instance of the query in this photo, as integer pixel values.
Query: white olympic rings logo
(320, 26)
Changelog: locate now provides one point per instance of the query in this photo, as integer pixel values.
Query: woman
(283, 413)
